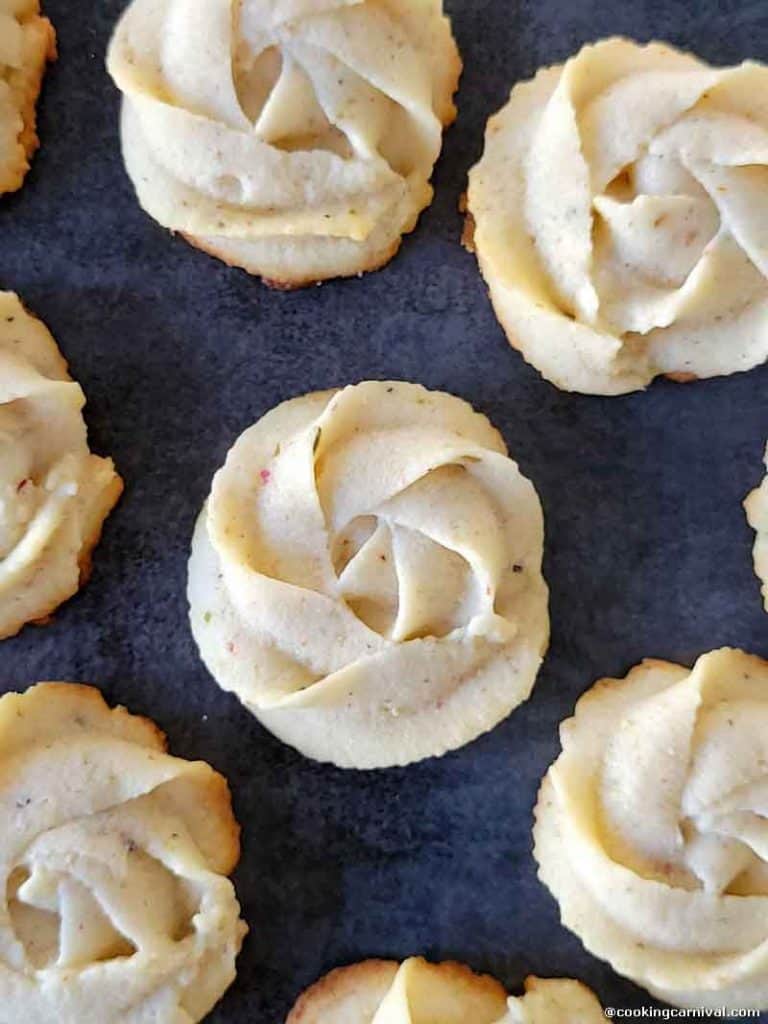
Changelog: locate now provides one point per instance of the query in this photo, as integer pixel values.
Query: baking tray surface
(647, 549)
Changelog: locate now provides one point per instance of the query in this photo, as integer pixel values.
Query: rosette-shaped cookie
(651, 828)
(366, 577)
(620, 217)
(293, 138)
(54, 494)
(27, 42)
(114, 902)
(417, 992)
(756, 507)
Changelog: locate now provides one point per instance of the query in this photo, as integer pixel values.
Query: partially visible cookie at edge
(27, 43)
(54, 493)
(756, 507)
(649, 824)
(419, 992)
(115, 901)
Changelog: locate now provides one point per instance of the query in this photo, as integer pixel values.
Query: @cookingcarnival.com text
(668, 1013)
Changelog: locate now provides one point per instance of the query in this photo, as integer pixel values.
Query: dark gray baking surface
(648, 552)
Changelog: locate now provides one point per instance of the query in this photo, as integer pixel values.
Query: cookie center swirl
(398, 577)
(684, 802)
(415, 540)
(278, 96)
(657, 211)
(67, 910)
(305, 85)
(653, 222)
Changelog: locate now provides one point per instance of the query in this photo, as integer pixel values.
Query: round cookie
(27, 43)
(296, 138)
(617, 214)
(54, 494)
(756, 507)
(366, 575)
(115, 904)
(650, 828)
(418, 992)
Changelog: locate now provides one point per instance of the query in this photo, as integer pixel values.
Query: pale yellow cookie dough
(756, 506)
(366, 575)
(115, 906)
(554, 1001)
(293, 138)
(27, 42)
(651, 829)
(54, 494)
(418, 992)
(620, 214)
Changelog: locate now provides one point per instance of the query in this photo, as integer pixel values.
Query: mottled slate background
(648, 553)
